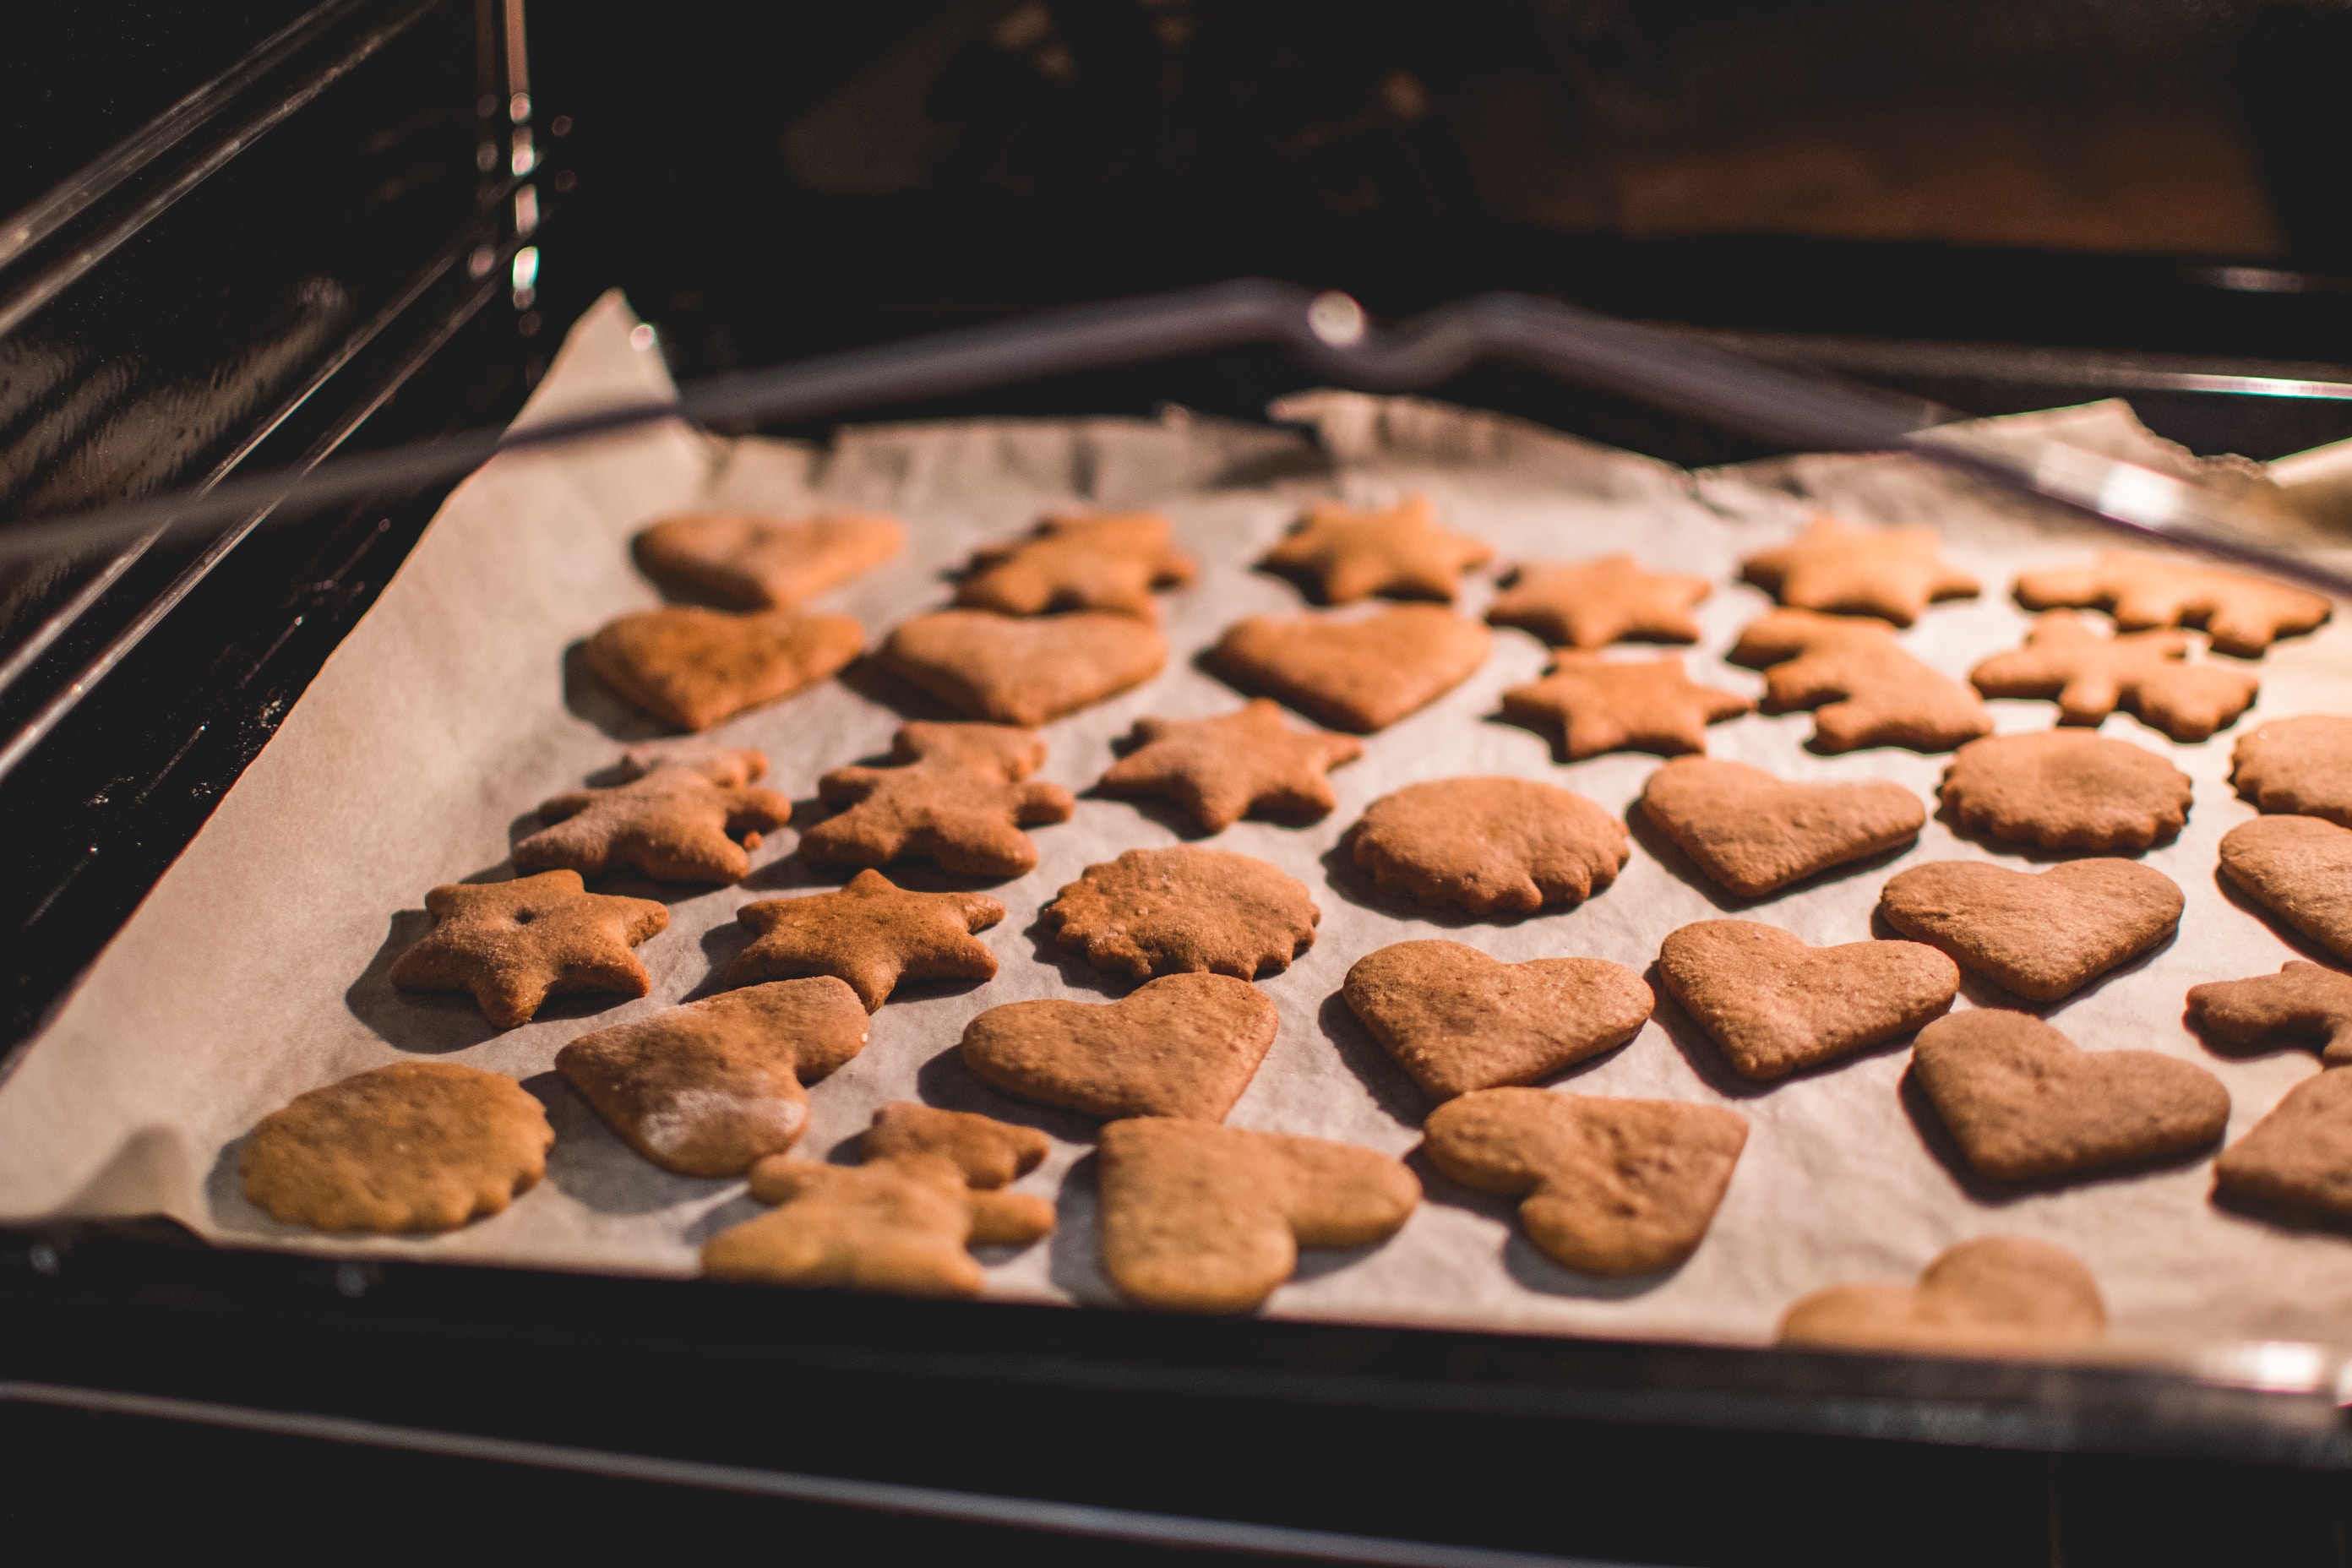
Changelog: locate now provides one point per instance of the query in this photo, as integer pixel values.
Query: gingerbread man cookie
(1341, 555)
(1755, 833)
(1110, 562)
(955, 794)
(1459, 1021)
(2091, 676)
(1890, 572)
(2302, 1005)
(1220, 770)
(674, 823)
(691, 668)
(1491, 845)
(755, 562)
(1359, 675)
(1777, 1007)
(1591, 603)
(1597, 705)
(1008, 670)
(871, 934)
(1182, 1045)
(2240, 614)
(1995, 1296)
(514, 944)
(1865, 690)
(2066, 789)
(2301, 765)
(1185, 911)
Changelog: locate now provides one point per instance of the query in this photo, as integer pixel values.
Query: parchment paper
(255, 969)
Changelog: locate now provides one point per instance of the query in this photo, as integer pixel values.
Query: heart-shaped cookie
(1359, 675)
(1009, 671)
(691, 668)
(1997, 1294)
(2300, 869)
(1776, 1006)
(1458, 1020)
(2025, 1103)
(2041, 936)
(1613, 1186)
(1183, 1045)
(2299, 1157)
(1755, 834)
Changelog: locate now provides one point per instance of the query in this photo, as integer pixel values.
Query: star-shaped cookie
(2090, 676)
(1343, 555)
(872, 934)
(674, 824)
(1110, 562)
(1636, 705)
(956, 795)
(514, 944)
(1890, 572)
(1223, 769)
(1591, 603)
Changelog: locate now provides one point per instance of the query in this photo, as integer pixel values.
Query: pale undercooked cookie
(871, 934)
(1185, 911)
(955, 794)
(901, 1223)
(514, 944)
(989, 1153)
(2300, 869)
(1108, 563)
(2299, 1157)
(2041, 936)
(706, 1088)
(2302, 1005)
(1458, 1020)
(1591, 603)
(2089, 676)
(1491, 845)
(1009, 671)
(2025, 1103)
(753, 562)
(691, 668)
(1755, 833)
(2301, 765)
(2241, 615)
(674, 824)
(1890, 572)
(1776, 1006)
(1223, 769)
(1611, 1186)
(1182, 1045)
(1863, 689)
(1995, 1296)
(409, 1147)
(1360, 675)
(1341, 555)
(1597, 705)
(1202, 1218)
(2062, 789)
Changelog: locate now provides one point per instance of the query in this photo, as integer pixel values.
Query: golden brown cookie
(1458, 1020)
(1340, 554)
(955, 794)
(1890, 572)
(706, 1088)
(2300, 869)
(514, 944)
(1110, 562)
(672, 825)
(989, 1153)
(1202, 1218)
(1359, 675)
(871, 934)
(2062, 789)
(728, 767)
(1183, 1045)
(691, 668)
(2025, 1103)
(900, 1225)
(1223, 769)
(2090, 676)
(2301, 765)
(1755, 833)
(1597, 705)
(1995, 1296)
(1777, 1007)
(1591, 603)
(413, 1146)
(2240, 614)
(2041, 936)
(2299, 1157)
(1863, 689)
(2302, 1005)
(1184, 910)
(1611, 1186)
(1491, 845)
(1008, 670)
(755, 563)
